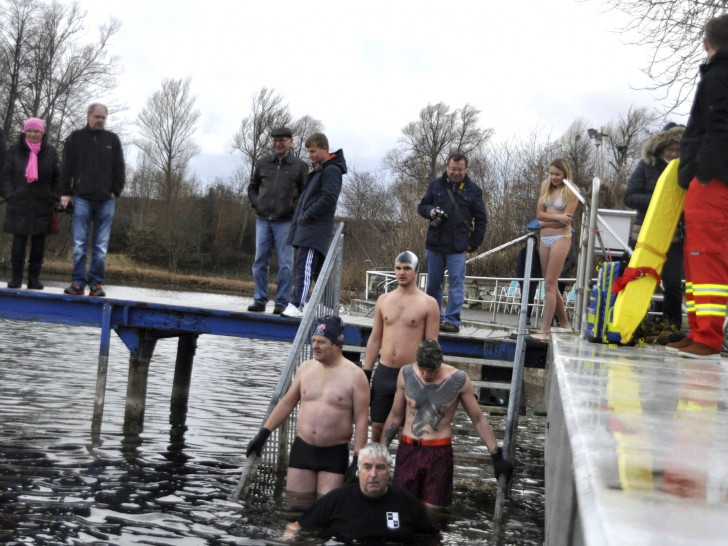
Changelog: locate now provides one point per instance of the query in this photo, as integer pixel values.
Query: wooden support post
(186, 347)
(136, 389)
(101, 374)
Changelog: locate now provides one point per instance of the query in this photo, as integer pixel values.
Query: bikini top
(558, 205)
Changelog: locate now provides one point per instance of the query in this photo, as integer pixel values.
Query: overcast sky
(365, 69)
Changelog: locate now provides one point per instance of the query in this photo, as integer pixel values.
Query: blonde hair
(563, 166)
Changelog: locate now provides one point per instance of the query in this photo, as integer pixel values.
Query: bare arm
(470, 405)
(554, 219)
(361, 411)
(432, 322)
(374, 343)
(394, 419)
(286, 404)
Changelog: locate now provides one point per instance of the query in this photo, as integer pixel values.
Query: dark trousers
(672, 277)
(308, 267)
(17, 254)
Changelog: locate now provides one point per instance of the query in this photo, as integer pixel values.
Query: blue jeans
(437, 263)
(85, 213)
(268, 233)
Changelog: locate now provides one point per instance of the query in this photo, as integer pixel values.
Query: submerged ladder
(261, 474)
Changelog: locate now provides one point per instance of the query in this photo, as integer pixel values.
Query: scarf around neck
(31, 171)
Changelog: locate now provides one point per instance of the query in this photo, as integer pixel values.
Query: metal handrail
(325, 300)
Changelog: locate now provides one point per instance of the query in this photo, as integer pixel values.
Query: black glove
(368, 373)
(257, 443)
(350, 476)
(500, 465)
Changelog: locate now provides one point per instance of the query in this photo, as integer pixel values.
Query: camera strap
(457, 209)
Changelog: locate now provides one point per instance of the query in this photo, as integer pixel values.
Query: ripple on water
(170, 483)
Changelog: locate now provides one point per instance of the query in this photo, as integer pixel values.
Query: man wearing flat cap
(277, 183)
(334, 396)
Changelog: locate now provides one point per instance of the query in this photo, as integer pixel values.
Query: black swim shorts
(334, 459)
(384, 386)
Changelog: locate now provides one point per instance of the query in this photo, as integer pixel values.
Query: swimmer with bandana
(402, 319)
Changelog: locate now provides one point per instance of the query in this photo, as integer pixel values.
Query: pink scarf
(31, 171)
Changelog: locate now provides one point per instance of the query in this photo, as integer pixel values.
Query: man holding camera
(454, 205)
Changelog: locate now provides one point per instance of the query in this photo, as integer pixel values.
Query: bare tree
(167, 124)
(46, 70)
(302, 128)
(252, 140)
(426, 143)
(626, 136)
(674, 33)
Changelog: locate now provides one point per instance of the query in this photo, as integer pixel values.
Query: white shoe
(292, 312)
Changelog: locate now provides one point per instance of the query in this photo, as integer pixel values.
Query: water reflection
(169, 484)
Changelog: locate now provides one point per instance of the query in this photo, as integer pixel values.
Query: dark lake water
(171, 484)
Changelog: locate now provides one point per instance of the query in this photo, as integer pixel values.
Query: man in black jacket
(454, 205)
(704, 173)
(277, 183)
(313, 222)
(657, 152)
(372, 511)
(92, 177)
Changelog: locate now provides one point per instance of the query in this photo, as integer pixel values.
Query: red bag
(54, 229)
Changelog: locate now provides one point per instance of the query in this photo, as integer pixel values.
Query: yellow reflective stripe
(710, 309)
(688, 288)
(690, 306)
(710, 289)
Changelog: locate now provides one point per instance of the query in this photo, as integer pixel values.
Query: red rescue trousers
(706, 260)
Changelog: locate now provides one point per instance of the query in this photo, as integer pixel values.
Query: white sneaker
(292, 312)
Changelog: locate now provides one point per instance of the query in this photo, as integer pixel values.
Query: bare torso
(405, 317)
(430, 406)
(326, 415)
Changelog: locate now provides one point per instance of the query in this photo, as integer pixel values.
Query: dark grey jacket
(30, 206)
(313, 222)
(276, 186)
(93, 165)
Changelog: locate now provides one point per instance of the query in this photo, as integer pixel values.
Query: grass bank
(122, 269)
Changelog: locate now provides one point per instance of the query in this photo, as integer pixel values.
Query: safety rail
(261, 475)
(498, 290)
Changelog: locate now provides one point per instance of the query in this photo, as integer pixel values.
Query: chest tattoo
(430, 400)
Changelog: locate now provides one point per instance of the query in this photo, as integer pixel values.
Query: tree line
(168, 218)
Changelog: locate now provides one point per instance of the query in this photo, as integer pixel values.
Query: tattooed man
(427, 396)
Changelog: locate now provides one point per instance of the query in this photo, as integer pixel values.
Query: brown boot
(699, 351)
(675, 346)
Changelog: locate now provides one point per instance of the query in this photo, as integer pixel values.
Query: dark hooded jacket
(93, 164)
(30, 205)
(642, 183)
(455, 234)
(704, 148)
(313, 221)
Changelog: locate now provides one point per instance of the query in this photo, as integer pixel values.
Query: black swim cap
(429, 354)
(332, 328)
(408, 257)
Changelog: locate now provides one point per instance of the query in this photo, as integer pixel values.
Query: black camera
(440, 216)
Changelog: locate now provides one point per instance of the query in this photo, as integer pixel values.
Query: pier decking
(636, 448)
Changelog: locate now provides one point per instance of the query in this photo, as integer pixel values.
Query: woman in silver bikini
(556, 207)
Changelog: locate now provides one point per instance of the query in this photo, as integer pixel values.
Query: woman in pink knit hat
(30, 184)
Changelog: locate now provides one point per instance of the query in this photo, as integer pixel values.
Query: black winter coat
(30, 206)
(313, 222)
(453, 236)
(704, 147)
(93, 164)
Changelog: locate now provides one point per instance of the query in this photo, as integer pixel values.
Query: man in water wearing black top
(372, 511)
